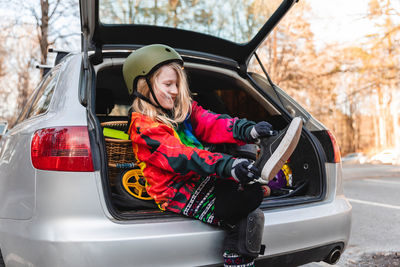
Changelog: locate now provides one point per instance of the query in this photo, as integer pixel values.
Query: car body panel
(75, 225)
(3, 128)
(89, 241)
(354, 158)
(19, 183)
(71, 226)
(388, 156)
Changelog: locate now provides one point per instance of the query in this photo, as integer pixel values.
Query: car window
(44, 95)
(237, 20)
(27, 106)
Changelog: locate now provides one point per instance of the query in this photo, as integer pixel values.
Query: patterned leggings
(201, 206)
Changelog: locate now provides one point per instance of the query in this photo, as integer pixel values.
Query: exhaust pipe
(334, 256)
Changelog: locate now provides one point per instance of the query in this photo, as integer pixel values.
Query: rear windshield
(234, 20)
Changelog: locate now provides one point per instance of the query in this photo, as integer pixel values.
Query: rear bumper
(312, 226)
(289, 235)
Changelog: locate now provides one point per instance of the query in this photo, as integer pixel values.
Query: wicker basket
(118, 151)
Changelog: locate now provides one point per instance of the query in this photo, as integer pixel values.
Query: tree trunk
(396, 129)
(23, 86)
(44, 29)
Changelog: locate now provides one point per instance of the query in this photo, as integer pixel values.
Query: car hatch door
(227, 29)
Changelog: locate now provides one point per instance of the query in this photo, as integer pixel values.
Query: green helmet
(145, 60)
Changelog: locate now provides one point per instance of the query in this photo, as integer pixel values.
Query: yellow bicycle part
(135, 184)
(288, 174)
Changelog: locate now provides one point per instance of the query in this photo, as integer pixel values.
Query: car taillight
(62, 149)
(335, 147)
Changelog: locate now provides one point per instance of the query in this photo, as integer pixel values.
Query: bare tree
(53, 20)
(384, 68)
(29, 29)
(293, 63)
(19, 75)
(51, 11)
(374, 66)
(2, 56)
(350, 89)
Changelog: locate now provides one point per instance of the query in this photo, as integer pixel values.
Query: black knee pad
(250, 232)
(245, 237)
(233, 203)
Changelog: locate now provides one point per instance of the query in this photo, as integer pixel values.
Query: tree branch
(54, 9)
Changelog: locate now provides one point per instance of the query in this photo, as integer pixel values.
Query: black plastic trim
(60, 55)
(2, 264)
(296, 258)
(326, 143)
(96, 153)
(83, 85)
(188, 56)
(300, 257)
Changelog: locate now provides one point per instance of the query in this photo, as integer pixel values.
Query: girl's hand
(261, 129)
(243, 171)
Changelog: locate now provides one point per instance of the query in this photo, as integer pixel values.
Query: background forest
(353, 89)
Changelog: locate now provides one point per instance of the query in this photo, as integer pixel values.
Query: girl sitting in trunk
(168, 130)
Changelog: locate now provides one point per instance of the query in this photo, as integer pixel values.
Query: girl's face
(166, 87)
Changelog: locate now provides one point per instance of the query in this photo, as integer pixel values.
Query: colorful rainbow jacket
(174, 163)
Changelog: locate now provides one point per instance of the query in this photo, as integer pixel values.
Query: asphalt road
(374, 192)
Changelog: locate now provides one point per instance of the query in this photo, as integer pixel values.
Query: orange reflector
(336, 149)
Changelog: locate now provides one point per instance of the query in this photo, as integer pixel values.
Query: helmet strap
(139, 95)
(152, 92)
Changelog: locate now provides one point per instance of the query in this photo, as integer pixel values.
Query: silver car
(60, 194)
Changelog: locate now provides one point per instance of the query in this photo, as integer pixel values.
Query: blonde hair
(183, 102)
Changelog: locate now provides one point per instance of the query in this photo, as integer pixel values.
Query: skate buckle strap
(262, 249)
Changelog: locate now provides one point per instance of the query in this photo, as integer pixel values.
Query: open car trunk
(221, 89)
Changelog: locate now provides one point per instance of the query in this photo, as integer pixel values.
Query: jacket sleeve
(160, 147)
(219, 128)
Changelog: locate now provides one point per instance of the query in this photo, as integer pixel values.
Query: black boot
(231, 256)
(276, 150)
(232, 259)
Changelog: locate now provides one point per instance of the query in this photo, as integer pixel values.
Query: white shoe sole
(283, 151)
